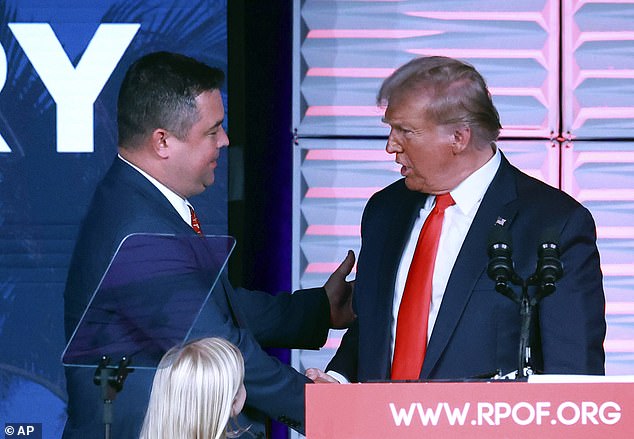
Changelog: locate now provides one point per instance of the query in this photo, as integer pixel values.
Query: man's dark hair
(159, 90)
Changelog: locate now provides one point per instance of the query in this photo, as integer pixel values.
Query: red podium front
(498, 409)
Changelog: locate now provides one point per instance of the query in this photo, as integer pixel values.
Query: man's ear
(235, 407)
(238, 401)
(159, 142)
(460, 138)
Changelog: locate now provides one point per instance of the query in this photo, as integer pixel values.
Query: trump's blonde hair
(193, 391)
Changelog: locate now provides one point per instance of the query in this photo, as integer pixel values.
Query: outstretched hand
(319, 376)
(339, 293)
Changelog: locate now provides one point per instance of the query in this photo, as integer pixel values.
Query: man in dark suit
(170, 116)
(443, 131)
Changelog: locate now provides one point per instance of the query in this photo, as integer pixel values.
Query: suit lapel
(472, 260)
(404, 212)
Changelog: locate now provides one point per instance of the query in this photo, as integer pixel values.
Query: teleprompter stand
(111, 382)
(147, 302)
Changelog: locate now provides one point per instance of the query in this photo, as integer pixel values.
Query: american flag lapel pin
(500, 221)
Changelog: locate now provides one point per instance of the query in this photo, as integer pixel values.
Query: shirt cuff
(342, 379)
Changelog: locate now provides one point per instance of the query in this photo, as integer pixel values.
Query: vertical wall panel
(346, 48)
(597, 92)
(337, 177)
(598, 69)
(600, 175)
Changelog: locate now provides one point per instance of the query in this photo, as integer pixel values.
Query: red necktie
(413, 313)
(195, 222)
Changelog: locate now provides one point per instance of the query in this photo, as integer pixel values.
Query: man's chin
(411, 185)
(209, 182)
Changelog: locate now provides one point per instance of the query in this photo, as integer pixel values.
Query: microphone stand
(501, 269)
(526, 305)
(526, 314)
(110, 379)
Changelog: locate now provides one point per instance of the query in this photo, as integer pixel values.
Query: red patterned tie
(413, 313)
(195, 222)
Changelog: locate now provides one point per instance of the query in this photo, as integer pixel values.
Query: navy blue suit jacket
(125, 202)
(477, 328)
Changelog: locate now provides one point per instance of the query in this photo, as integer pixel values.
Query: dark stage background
(261, 151)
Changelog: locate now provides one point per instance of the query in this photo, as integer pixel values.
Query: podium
(543, 408)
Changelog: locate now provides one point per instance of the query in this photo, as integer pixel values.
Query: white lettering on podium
(542, 411)
(590, 411)
(456, 416)
(611, 417)
(428, 415)
(570, 413)
(402, 415)
(502, 411)
(74, 89)
(571, 416)
(485, 412)
(498, 413)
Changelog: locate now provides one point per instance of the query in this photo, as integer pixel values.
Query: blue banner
(61, 63)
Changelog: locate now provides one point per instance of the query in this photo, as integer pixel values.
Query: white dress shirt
(456, 223)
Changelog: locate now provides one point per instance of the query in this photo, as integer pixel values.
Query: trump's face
(421, 146)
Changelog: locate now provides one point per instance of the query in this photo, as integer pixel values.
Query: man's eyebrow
(393, 123)
(216, 125)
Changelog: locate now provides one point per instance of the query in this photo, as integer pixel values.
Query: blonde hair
(193, 391)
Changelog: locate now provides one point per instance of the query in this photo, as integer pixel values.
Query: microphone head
(499, 238)
(549, 236)
(549, 266)
(500, 268)
(549, 245)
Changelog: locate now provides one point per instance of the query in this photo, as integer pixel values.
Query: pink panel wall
(554, 78)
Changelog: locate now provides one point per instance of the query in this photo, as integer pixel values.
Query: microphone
(500, 268)
(549, 266)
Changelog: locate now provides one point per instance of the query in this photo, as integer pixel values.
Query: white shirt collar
(181, 205)
(470, 192)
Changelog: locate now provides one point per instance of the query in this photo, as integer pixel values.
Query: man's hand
(339, 294)
(320, 377)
